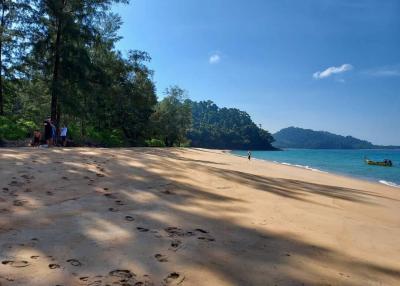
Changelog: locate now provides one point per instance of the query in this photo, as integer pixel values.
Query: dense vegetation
(293, 137)
(58, 59)
(225, 128)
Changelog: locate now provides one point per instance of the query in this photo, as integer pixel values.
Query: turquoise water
(345, 162)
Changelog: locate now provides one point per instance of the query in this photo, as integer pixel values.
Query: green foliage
(172, 117)
(16, 130)
(108, 138)
(155, 143)
(226, 128)
(184, 144)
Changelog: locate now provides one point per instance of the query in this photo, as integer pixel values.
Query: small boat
(384, 163)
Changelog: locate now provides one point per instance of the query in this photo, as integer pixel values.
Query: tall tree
(14, 23)
(172, 117)
(68, 30)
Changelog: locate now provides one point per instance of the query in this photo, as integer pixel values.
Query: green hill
(226, 128)
(293, 137)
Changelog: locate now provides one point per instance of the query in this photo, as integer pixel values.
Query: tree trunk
(55, 81)
(1, 80)
(58, 117)
(1, 60)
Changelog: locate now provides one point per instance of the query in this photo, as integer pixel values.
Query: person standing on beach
(48, 130)
(249, 155)
(63, 135)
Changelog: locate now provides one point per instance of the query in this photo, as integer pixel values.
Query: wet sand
(189, 217)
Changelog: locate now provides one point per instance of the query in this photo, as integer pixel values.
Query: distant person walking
(249, 155)
(48, 132)
(63, 135)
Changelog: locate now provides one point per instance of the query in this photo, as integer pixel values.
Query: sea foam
(389, 183)
(304, 167)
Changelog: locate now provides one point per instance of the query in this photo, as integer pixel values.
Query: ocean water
(344, 162)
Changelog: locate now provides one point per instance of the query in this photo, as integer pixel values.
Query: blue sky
(329, 65)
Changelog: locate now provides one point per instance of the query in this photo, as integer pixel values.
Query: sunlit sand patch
(23, 206)
(141, 196)
(102, 230)
(162, 218)
(90, 153)
(17, 156)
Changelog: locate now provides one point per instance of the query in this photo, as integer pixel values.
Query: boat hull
(383, 164)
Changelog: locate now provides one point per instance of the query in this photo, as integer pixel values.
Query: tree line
(58, 59)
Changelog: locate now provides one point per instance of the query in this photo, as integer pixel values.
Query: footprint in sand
(125, 274)
(100, 175)
(17, 264)
(120, 203)
(110, 196)
(206, 238)
(129, 218)
(167, 192)
(13, 194)
(35, 256)
(49, 193)
(173, 278)
(174, 231)
(74, 262)
(142, 229)
(15, 184)
(112, 210)
(27, 177)
(65, 178)
(161, 258)
(20, 203)
(28, 190)
(54, 266)
(175, 244)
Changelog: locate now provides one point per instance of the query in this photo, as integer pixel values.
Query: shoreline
(312, 169)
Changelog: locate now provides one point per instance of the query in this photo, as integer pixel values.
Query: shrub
(155, 143)
(16, 130)
(185, 144)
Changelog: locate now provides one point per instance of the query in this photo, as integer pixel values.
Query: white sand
(189, 217)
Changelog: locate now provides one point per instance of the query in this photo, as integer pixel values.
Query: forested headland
(58, 59)
(294, 137)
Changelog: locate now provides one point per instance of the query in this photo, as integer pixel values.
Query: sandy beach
(146, 216)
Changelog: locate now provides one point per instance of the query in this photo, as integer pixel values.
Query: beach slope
(146, 216)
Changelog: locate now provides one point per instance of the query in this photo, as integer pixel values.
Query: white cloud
(214, 58)
(332, 70)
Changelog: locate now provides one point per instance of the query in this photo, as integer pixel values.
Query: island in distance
(294, 137)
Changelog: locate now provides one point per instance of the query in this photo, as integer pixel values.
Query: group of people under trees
(52, 135)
